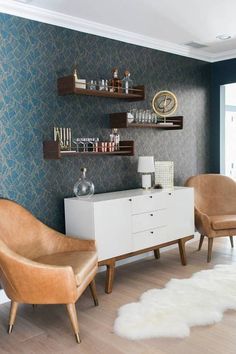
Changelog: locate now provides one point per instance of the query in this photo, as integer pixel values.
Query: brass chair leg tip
(10, 328)
(77, 337)
(96, 303)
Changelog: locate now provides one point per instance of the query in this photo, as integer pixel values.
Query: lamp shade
(146, 164)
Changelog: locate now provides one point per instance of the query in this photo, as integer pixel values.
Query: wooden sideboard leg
(110, 276)
(182, 253)
(157, 253)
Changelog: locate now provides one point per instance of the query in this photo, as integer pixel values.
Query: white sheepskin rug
(183, 303)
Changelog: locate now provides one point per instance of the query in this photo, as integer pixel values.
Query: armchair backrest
(215, 194)
(22, 232)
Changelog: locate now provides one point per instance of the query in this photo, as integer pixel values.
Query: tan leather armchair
(215, 207)
(39, 265)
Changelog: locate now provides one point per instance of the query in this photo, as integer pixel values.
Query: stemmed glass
(78, 142)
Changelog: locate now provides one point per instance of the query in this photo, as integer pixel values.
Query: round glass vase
(84, 188)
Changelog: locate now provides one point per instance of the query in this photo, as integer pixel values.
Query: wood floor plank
(47, 330)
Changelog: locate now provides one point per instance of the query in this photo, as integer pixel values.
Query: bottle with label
(115, 82)
(116, 139)
(76, 76)
(127, 83)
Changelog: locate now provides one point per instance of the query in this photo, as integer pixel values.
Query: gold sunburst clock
(164, 103)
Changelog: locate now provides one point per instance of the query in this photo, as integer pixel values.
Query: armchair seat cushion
(223, 222)
(82, 262)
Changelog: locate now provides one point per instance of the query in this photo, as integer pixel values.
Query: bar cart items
(84, 188)
(62, 145)
(114, 88)
(63, 135)
(115, 84)
(79, 83)
(127, 83)
(144, 119)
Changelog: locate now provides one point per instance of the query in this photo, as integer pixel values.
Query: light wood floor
(46, 329)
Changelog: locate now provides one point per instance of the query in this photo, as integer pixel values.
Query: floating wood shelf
(66, 86)
(120, 120)
(51, 150)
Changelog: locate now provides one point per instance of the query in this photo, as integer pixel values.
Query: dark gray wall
(32, 56)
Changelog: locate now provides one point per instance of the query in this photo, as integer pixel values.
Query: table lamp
(146, 167)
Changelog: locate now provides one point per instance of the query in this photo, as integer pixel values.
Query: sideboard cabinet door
(181, 213)
(112, 222)
(108, 222)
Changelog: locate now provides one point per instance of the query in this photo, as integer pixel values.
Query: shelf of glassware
(121, 120)
(52, 151)
(66, 86)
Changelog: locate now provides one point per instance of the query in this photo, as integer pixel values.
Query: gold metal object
(164, 103)
(10, 328)
(77, 337)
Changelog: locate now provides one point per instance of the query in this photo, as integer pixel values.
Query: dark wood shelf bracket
(120, 120)
(66, 86)
(51, 150)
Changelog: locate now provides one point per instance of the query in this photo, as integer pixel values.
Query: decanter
(84, 188)
(115, 82)
(127, 83)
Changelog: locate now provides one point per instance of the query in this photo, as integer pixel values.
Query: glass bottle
(127, 83)
(76, 76)
(116, 137)
(84, 188)
(115, 82)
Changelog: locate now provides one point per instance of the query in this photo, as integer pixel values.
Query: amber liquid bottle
(115, 83)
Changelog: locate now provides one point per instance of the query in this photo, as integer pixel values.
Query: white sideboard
(130, 222)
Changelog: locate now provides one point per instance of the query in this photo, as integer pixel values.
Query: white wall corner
(3, 297)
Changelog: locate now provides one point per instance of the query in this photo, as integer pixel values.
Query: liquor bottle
(115, 82)
(127, 83)
(116, 137)
(76, 76)
(84, 188)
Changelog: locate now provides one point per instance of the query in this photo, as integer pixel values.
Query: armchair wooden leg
(12, 316)
(231, 241)
(74, 320)
(209, 253)
(156, 253)
(200, 242)
(92, 287)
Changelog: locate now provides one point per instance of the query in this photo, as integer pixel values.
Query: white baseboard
(3, 297)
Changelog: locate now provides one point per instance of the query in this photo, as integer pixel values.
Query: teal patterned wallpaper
(32, 56)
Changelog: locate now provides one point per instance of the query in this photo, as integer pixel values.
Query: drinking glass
(76, 141)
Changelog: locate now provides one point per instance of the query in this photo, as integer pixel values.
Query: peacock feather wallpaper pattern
(32, 56)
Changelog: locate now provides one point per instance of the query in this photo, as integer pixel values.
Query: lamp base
(146, 181)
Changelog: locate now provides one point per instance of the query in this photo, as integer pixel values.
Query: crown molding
(31, 12)
(229, 54)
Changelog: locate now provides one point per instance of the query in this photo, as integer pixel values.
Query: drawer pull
(151, 232)
(150, 196)
(170, 193)
(130, 200)
(151, 214)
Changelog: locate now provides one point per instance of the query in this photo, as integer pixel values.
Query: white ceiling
(164, 25)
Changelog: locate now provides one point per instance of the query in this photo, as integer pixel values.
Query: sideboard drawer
(151, 220)
(149, 238)
(145, 203)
